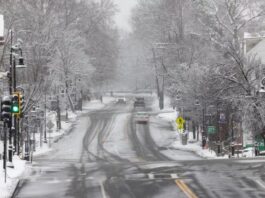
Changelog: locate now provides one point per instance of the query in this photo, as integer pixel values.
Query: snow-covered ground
(171, 137)
(12, 177)
(163, 135)
(193, 146)
(13, 174)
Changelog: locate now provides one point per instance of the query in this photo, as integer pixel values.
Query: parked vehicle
(248, 152)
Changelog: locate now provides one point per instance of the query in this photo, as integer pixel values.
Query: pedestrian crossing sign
(180, 122)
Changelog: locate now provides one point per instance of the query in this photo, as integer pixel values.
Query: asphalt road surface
(108, 155)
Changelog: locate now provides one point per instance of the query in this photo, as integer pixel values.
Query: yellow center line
(185, 189)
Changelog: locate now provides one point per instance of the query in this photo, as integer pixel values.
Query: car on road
(139, 102)
(141, 117)
(121, 100)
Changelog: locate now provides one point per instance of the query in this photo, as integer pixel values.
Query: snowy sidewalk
(13, 174)
(172, 138)
(166, 136)
(193, 146)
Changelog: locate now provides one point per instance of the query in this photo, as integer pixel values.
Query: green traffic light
(15, 109)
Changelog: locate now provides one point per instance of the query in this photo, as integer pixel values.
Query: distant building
(254, 43)
(254, 46)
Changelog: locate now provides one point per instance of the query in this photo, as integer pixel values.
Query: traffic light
(15, 104)
(6, 108)
(21, 104)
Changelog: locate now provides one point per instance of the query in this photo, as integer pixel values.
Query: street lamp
(15, 51)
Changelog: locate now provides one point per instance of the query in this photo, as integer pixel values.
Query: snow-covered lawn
(13, 174)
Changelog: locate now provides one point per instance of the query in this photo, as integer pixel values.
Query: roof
(259, 51)
(248, 35)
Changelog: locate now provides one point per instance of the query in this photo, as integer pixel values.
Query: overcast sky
(123, 16)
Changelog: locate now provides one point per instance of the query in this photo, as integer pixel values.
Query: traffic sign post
(211, 130)
(180, 123)
(50, 125)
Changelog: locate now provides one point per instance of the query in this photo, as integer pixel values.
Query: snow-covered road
(108, 155)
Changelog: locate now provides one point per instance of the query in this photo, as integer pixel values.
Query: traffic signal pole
(17, 139)
(5, 146)
(10, 148)
(6, 118)
(14, 127)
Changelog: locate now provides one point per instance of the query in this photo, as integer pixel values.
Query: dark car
(121, 100)
(139, 102)
(139, 99)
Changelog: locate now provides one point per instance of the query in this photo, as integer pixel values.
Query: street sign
(180, 122)
(50, 125)
(211, 130)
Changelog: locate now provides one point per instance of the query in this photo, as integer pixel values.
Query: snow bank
(7, 188)
(167, 114)
(195, 147)
(108, 99)
(167, 105)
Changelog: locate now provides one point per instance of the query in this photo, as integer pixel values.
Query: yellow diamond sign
(180, 122)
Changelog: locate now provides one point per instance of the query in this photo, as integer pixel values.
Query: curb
(14, 190)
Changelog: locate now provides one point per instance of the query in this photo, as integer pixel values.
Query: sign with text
(211, 130)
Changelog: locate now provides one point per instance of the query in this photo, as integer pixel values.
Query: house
(254, 46)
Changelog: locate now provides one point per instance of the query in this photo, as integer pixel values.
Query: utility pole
(81, 100)
(14, 131)
(204, 136)
(26, 157)
(45, 130)
(58, 114)
(161, 97)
